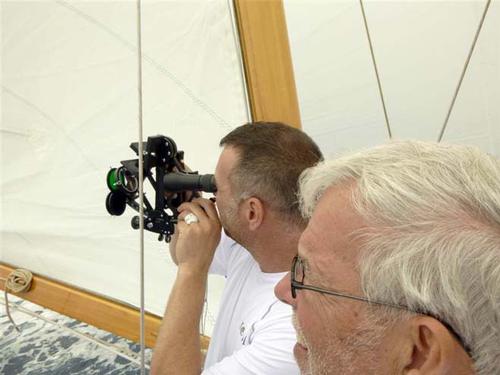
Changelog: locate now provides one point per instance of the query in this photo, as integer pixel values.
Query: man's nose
(283, 290)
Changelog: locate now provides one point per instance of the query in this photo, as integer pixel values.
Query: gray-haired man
(398, 271)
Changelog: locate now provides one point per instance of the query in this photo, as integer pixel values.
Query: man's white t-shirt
(253, 333)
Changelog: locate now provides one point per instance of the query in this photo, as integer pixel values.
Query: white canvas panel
(337, 89)
(475, 119)
(70, 111)
(420, 49)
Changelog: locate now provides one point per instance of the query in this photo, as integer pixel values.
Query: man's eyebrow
(305, 263)
(309, 275)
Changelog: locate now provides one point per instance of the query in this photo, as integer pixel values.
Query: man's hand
(177, 349)
(196, 242)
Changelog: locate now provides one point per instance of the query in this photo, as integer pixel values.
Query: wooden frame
(272, 95)
(101, 312)
(267, 60)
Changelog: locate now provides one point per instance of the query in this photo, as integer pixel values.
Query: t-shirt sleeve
(222, 256)
(269, 353)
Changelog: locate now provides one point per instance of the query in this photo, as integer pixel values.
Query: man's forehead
(333, 208)
(227, 159)
(332, 223)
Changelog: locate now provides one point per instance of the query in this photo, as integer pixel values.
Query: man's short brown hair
(272, 156)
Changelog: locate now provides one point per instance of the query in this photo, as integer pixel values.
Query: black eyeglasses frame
(294, 285)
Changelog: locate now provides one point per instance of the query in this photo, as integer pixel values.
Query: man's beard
(231, 222)
(355, 354)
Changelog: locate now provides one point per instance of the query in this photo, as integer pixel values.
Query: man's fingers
(199, 212)
(209, 208)
(200, 207)
(181, 228)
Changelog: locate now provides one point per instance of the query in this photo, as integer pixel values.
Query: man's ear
(254, 211)
(434, 349)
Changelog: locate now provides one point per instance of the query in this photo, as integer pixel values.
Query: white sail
(420, 49)
(70, 111)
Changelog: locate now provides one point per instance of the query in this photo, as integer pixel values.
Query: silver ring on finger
(191, 218)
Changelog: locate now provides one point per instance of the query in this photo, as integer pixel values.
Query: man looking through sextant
(256, 178)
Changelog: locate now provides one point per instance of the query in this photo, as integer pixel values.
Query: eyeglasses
(297, 282)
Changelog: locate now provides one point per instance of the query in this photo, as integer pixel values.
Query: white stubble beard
(355, 354)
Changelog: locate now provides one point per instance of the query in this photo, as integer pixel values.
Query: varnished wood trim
(267, 60)
(109, 315)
